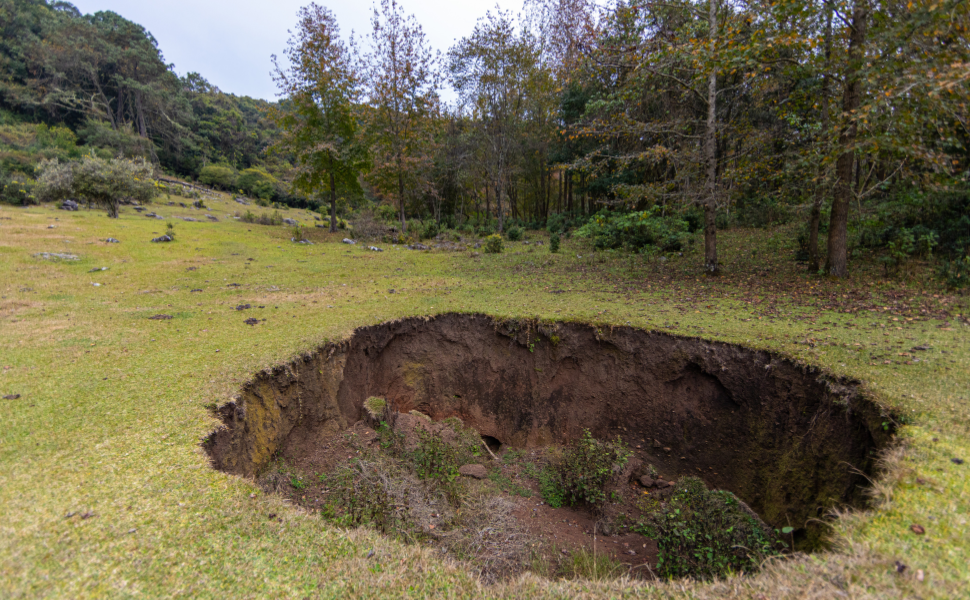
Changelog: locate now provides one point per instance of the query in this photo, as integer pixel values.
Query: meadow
(105, 491)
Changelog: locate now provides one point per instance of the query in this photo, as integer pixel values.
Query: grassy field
(105, 492)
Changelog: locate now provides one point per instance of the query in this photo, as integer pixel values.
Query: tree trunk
(333, 200)
(488, 204)
(142, 130)
(400, 191)
(498, 205)
(710, 155)
(120, 108)
(113, 208)
(569, 191)
(837, 263)
(813, 253)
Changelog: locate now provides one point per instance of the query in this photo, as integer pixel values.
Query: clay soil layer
(786, 438)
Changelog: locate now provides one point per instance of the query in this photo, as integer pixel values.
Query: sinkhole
(789, 439)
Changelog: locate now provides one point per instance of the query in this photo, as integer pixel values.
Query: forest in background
(634, 124)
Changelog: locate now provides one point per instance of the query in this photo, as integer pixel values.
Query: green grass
(113, 405)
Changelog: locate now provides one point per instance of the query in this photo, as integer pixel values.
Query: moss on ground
(104, 490)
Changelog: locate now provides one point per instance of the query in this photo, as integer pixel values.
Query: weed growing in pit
(357, 495)
(435, 459)
(708, 533)
(586, 564)
(580, 476)
(509, 486)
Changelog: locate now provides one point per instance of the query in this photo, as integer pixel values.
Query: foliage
(585, 468)
(550, 487)
(429, 229)
(636, 231)
(99, 181)
(434, 458)
(514, 234)
(706, 534)
(318, 126)
(257, 182)
(493, 244)
(17, 189)
(220, 177)
(554, 243)
(263, 219)
(586, 564)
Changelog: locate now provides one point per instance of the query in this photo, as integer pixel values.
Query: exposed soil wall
(788, 439)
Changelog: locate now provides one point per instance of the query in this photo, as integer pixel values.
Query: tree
(491, 70)
(96, 180)
(317, 123)
(402, 101)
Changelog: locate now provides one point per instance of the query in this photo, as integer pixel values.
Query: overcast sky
(229, 42)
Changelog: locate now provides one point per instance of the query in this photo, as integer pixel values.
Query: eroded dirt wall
(786, 438)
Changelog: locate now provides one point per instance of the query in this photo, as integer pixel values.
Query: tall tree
(317, 124)
(402, 85)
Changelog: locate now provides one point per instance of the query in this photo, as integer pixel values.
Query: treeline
(635, 124)
(72, 84)
(657, 117)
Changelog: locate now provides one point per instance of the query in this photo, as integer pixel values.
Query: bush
(493, 244)
(635, 231)
(386, 212)
(514, 234)
(257, 183)
(219, 176)
(102, 182)
(554, 243)
(956, 273)
(250, 217)
(429, 229)
(706, 534)
(17, 189)
(587, 465)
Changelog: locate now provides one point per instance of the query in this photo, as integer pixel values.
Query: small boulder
(647, 481)
(375, 249)
(476, 471)
(69, 205)
(349, 241)
(291, 222)
(164, 238)
(112, 241)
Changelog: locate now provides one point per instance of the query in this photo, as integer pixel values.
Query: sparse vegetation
(493, 244)
(582, 472)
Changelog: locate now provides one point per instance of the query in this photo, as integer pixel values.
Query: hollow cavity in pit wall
(788, 439)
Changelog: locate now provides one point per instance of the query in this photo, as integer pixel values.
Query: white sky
(229, 42)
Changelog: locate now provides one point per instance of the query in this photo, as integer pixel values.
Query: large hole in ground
(788, 439)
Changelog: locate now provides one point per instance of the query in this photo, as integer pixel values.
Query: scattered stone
(647, 481)
(234, 285)
(112, 241)
(96, 284)
(251, 321)
(391, 291)
(417, 247)
(957, 461)
(375, 249)
(244, 306)
(140, 209)
(190, 219)
(900, 567)
(52, 226)
(538, 243)
(160, 317)
(349, 241)
(289, 221)
(917, 529)
(69, 205)
(57, 256)
(195, 290)
(96, 269)
(671, 483)
(476, 471)
(242, 201)
(212, 218)
(12, 397)
(164, 238)
(477, 245)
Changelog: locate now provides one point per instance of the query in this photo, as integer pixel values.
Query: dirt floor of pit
(553, 534)
(788, 439)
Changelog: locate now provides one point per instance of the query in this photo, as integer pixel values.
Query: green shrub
(635, 231)
(17, 189)
(257, 183)
(429, 230)
(386, 212)
(956, 273)
(493, 244)
(97, 180)
(550, 487)
(219, 176)
(554, 243)
(705, 533)
(264, 219)
(587, 465)
(514, 234)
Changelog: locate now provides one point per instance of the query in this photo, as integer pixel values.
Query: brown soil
(788, 439)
